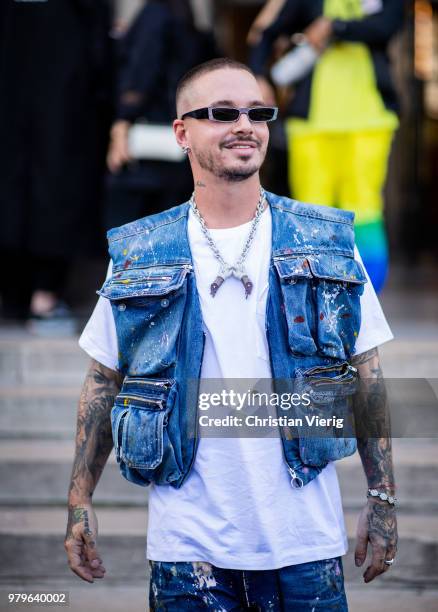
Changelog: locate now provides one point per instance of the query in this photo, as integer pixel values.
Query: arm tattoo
(371, 410)
(93, 434)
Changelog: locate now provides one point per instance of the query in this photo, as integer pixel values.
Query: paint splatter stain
(127, 264)
(346, 315)
(299, 319)
(204, 574)
(321, 316)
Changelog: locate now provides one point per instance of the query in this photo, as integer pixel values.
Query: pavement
(40, 381)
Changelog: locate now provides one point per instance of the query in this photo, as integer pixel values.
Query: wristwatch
(390, 499)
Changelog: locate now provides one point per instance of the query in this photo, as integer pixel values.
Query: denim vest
(312, 321)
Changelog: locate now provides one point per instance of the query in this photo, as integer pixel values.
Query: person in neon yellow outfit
(343, 116)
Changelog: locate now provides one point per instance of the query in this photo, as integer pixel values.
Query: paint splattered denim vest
(312, 321)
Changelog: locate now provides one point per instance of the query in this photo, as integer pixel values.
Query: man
(239, 522)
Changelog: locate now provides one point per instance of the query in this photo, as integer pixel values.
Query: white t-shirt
(237, 508)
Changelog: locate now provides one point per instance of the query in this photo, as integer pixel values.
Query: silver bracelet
(390, 499)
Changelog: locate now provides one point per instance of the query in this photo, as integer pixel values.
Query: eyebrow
(234, 105)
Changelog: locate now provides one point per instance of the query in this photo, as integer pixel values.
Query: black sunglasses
(228, 114)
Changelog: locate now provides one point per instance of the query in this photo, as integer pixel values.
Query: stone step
(406, 451)
(38, 412)
(50, 412)
(46, 483)
(35, 537)
(41, 559)
(35, 361)
(31, 361)
(45, 521)
(38, 472)
(101, 597)
(410, 358)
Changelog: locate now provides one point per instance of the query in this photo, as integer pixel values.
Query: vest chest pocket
(148, 306)
(339, 283)
(321, 294)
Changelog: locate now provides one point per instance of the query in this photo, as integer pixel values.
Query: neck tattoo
(238, 268)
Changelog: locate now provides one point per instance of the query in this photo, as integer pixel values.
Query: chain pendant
(215, 285)
(237, 272)
(248, 286)
(238, 269)
(224, 272)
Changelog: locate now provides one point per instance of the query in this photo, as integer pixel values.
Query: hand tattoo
(381, 522)
(77, 515)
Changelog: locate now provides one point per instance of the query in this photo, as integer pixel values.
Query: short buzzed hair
(206, 67)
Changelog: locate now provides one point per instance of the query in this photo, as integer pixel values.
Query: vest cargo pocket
(331, 390)
(296, 287)
(148, 306)
(140, 420)
(339, 283)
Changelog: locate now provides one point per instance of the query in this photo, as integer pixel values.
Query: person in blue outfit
(237, 284)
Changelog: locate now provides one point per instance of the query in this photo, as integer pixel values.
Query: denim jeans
(307, 587)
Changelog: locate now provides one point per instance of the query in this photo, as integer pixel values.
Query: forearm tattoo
(93, 434)
(371, 410)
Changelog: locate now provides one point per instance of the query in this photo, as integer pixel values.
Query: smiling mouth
(241, 146)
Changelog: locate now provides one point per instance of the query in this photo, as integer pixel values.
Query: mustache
(232, 141)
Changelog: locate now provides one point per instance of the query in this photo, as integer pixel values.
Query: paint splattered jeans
(307, 587)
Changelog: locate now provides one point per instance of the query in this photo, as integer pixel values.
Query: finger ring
(388, 561)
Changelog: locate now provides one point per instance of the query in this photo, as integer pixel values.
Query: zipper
(296, 481)
(175, 265)
(154, 292)
(165, 384)
(146, 400)
(133, 279)
(343, 368)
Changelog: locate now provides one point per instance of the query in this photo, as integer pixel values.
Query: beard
(231, 174)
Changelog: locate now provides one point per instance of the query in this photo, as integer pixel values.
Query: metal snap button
(164, 303)
(122, 307)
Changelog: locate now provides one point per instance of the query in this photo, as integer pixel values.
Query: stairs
(40, 382)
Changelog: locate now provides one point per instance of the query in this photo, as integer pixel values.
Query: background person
(342, 116)
(160, 45)
(53, 110)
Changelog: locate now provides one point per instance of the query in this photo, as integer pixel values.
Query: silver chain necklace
(238, 269)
